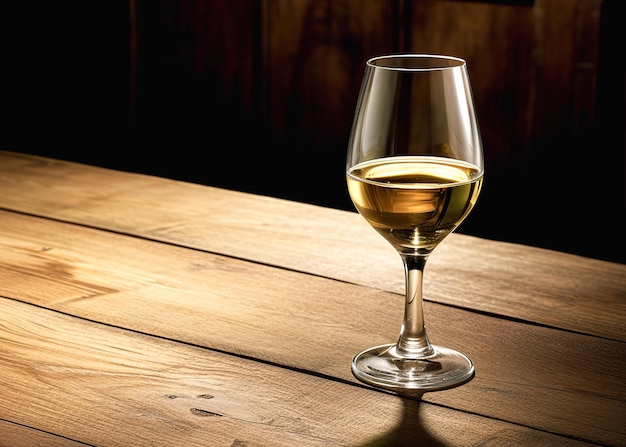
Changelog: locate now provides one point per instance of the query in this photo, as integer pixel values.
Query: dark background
(258, 95)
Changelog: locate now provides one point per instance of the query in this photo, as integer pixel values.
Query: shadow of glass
(410, 432)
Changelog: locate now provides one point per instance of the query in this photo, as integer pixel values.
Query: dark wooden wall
(258, 95)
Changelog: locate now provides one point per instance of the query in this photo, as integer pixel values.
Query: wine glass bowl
(414, 172)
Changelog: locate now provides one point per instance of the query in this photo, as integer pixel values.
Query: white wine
(414, 202)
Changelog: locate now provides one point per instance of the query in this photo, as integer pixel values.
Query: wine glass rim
(415, 62)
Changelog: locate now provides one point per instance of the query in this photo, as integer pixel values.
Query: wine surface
(414, 202)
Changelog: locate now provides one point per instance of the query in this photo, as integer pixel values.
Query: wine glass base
(383, 367)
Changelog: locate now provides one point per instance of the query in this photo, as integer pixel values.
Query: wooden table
(142, 311)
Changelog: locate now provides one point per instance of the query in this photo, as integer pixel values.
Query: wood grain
(14, 435)
(530, 284)
(309, 323)
(99, 385)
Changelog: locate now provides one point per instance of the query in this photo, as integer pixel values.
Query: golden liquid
(414, 202)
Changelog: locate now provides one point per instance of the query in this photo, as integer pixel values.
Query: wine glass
(414, 171)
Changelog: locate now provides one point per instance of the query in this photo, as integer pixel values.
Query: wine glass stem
(413, 341)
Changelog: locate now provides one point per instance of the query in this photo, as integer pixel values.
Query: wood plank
(526, 283)
(574, 383)
(14, 435)
(498, 43)
(517, 55)
(314, 57)
(105, 386)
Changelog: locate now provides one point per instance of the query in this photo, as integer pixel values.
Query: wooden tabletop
(142, 311)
